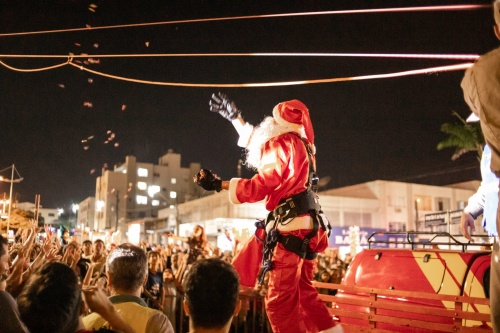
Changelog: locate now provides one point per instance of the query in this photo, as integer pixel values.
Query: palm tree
(464, 137)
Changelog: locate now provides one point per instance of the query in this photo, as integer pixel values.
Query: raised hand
(224, 106)
(208, 181)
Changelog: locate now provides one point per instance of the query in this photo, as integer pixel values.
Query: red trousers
(292, 303)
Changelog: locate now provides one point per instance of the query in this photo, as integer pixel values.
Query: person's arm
(162, 296)
(221, 104)
(75, 257)
(156, 302)
(98, 302)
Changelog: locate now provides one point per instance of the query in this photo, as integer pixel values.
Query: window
(155, 202)
(52, 214)
(142, 185)
(442, 204)
(99, 205)
(173, 180)
(141, 200)
(173, 194)
(423, 202)
(142, 172)
(153, 189)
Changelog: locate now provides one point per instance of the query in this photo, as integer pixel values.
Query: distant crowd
(159, 288)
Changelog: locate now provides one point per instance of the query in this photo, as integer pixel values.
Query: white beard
(265, 131)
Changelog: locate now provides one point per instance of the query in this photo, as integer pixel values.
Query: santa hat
(295, 115)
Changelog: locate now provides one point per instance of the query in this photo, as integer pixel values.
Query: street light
(11, 181)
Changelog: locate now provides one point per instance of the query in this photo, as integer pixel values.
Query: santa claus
(281, 150)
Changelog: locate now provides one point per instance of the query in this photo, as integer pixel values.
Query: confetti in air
(61, 85)
(87, 104)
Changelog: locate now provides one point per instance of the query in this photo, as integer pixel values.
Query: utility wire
(261, 84)
(233, 18)
(272, 54)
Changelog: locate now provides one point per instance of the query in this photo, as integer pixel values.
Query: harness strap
(300, 246)
(306, 202)
(302, 203)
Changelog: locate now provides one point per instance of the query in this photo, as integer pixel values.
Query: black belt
(298, 204)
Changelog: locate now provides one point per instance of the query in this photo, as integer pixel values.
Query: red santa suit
(292, 302)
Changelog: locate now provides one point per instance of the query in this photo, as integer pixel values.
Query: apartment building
(136, 190)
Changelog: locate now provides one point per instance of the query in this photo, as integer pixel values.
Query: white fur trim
(245, 133)
(335, 329)
(232, 191)
(297, 128)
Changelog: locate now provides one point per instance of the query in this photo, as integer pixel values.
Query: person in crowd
(11, 322)
(126, 269)
(72, 254)
(87, 249)
(198, 244)
(65, 237)
(153, 289)
(172, 295)
(98, 257)
(52, 299)
(481, 88)
(281, 149)
(226, 243)
(211, 296)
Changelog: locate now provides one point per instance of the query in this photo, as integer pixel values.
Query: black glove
(209, 181)
(226, 108)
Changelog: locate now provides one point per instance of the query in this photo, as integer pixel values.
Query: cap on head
(295, 115)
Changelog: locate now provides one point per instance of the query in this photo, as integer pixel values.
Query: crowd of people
(145, 282)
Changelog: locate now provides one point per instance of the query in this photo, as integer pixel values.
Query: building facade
(137, 191)
(372, 206)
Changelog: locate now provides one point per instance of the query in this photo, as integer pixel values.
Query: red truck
(429, 282)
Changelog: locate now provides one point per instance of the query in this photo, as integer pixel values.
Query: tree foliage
(19, 219)
(464, 137)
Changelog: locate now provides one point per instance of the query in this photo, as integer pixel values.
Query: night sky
(364, 130)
